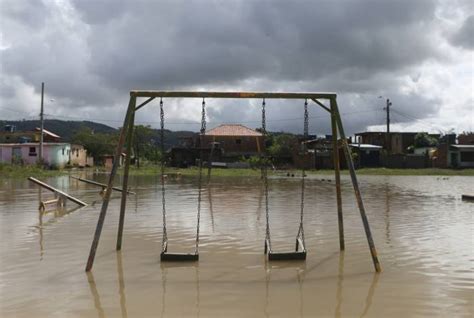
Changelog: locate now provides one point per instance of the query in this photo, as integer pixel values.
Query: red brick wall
(466, 139)
(441, 160)
(230, 145)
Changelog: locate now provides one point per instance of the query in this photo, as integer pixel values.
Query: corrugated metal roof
(232, 130)
(463, 146)
(366, 146)
(47, 132)
(45, 144)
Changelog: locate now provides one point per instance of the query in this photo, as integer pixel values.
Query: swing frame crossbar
(339, 140)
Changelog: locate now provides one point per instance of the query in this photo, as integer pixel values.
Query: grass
(219, 172)
(194, 171)
(13, 171)
(18, 172)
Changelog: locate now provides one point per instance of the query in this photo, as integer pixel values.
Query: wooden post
(355, 184)
(123, 202)
(105, 202)
(337, 172)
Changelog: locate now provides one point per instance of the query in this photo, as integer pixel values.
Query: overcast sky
(91, 53)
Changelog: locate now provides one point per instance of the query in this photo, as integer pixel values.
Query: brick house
(230, 142)
(234, 140)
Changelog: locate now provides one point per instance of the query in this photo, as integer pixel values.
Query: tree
(425, 140)
(96, 144)
(144, 143)
(282, 146)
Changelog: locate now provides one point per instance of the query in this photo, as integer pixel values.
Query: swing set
(300, 249)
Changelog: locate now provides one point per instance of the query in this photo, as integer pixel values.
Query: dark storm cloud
(163, 44)
(101, 49)
(464, 37)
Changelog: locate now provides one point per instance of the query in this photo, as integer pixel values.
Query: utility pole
(40, 159)
(388, 139)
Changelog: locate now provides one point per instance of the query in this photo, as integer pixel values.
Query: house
(55, 155)
(227, 142)
(466, 138)
(10, 135)
(108, 160)
(367, 155)
(234, 140)
(461, 156)
(452, 155)
(394, 142)
(78, 157)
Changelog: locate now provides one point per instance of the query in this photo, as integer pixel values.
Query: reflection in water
(339, 298)
(370, 294)
(95, 294)
(260, 199)
(164, 273)
(40, 229)
(57, 213)
(121, 281)
(387, 213)
(340, 278)
(300, 269)
(211, 210)
(123, 302)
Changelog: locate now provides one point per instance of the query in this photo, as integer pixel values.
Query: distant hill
(66, 129)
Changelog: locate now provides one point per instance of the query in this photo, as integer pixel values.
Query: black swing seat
(287, 256)
(177, 257)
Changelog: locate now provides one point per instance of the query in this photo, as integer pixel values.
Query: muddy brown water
(422, 229)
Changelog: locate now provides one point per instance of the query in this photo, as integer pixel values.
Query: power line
(419, 120)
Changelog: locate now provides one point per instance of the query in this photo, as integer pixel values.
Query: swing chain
(306, 120)
(303, 174)
(201, 138)
(162, 146)
(265, 177)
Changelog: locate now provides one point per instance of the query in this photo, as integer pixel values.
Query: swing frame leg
(123, 202)
(355, 185)
(337, 175)
(108, 191)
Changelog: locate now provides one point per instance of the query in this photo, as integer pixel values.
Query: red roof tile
(232, 130)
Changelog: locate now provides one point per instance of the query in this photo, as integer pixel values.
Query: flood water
(422, 230)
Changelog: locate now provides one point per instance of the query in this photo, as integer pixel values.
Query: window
(238, 141)
(63, 151)
(467, 156)
(32, 152)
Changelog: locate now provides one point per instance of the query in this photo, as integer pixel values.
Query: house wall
(23, 154)
(400, 142)
(377, 139)
(56, 156)
(440, 159)
(464, 158)
(401, 161)
(78, 156)
(466, 139)
(248, 144)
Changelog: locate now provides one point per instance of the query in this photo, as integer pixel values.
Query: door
(454, 159)
(16, 155)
